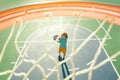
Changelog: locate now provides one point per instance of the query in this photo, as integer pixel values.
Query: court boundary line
(111, 62)
(104, 29)
(50, 69)
(106, 55)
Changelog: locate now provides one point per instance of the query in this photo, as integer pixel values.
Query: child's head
(64, 35)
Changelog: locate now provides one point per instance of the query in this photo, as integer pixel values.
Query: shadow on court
(65, 69)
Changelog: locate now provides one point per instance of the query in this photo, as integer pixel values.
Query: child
(63, 44)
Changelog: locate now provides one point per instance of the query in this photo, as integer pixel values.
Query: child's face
(63, 36)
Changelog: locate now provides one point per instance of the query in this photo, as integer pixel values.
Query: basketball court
(30, 53)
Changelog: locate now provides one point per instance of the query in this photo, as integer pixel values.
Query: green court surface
(112, 44)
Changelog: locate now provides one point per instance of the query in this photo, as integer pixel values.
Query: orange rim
(88, 9)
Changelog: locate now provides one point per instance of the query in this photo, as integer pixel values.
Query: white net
(40, 52)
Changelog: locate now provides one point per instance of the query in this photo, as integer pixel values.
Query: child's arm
(59, 39)
(56, 37)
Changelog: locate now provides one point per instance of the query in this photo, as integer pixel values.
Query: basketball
(55, 37)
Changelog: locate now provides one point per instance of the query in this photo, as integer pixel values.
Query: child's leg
(64, 53)
(60, 51)
(63, 56)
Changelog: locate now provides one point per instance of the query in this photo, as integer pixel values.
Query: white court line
(74, 69)
(111, 63)
(69, 69)
(110, 60)
(109, 37)
(89, 63)
(70, 40)
(37, 21)
(51, 69)
(114, 60)
(107, 57)
(13, 63)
